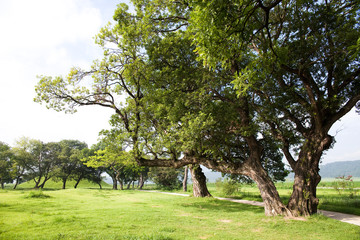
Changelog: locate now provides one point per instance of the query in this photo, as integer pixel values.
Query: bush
(343, 183)
(166, 178)
(227, 187)
(37, 194)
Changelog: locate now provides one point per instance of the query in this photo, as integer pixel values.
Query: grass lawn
(330, 199)
(108, 214)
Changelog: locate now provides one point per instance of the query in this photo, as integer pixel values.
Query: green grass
(108, 214)
(329, 198)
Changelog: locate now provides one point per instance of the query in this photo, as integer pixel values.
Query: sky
(43, 37)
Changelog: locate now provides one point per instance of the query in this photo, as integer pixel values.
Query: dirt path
(343, 217)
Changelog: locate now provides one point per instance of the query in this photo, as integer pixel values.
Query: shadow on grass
(215, 205)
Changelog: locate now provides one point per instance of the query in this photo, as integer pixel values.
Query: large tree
(299, 63)
(174, 110)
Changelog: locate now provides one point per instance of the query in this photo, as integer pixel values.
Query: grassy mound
(51, 184)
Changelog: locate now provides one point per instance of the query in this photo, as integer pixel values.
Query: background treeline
(34, 160)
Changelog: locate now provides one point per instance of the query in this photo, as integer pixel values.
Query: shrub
(37, 194)
(166, 178)
(227, 187)
(343, 183)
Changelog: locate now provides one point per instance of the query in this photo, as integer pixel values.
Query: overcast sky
(48, 37)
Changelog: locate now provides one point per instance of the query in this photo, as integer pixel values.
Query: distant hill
(337, 169)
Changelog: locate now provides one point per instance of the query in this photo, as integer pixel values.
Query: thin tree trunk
(128, 185)
(37, 183)
(64, 183)
(185, 180)
(2, 185)
(199, 182)
(141, 181)
(16, 182)
(77, 182)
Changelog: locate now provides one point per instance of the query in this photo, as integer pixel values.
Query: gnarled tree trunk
(199, 182)
(303, 200)
(272, 203)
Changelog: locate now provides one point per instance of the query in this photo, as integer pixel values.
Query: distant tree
(117, 162)
(22, 159)
(6, 164)
(69, 159)
(39, 159)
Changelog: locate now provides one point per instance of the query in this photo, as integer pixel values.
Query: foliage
(69, 163)
(113, 157)
(6, 164)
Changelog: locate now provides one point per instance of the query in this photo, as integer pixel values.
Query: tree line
(36, 161)
(231, 85)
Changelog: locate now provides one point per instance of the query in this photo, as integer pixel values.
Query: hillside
(337, 169)
(58, 185)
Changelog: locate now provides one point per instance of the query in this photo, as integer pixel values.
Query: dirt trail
(343, 217)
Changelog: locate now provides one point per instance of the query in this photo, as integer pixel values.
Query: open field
(107, 214)
(330, 199)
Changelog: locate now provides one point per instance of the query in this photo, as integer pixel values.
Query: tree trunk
(272, 203)
(16, 182)
(199, 182)
(185, 178)
(121, 183)
(114, 180)
(77, 182)
(37, 183)
(128, 185)
(2, 185)
(141, 181)
(303, 200)
(43, 183)
(100, 185)
(64, 183)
